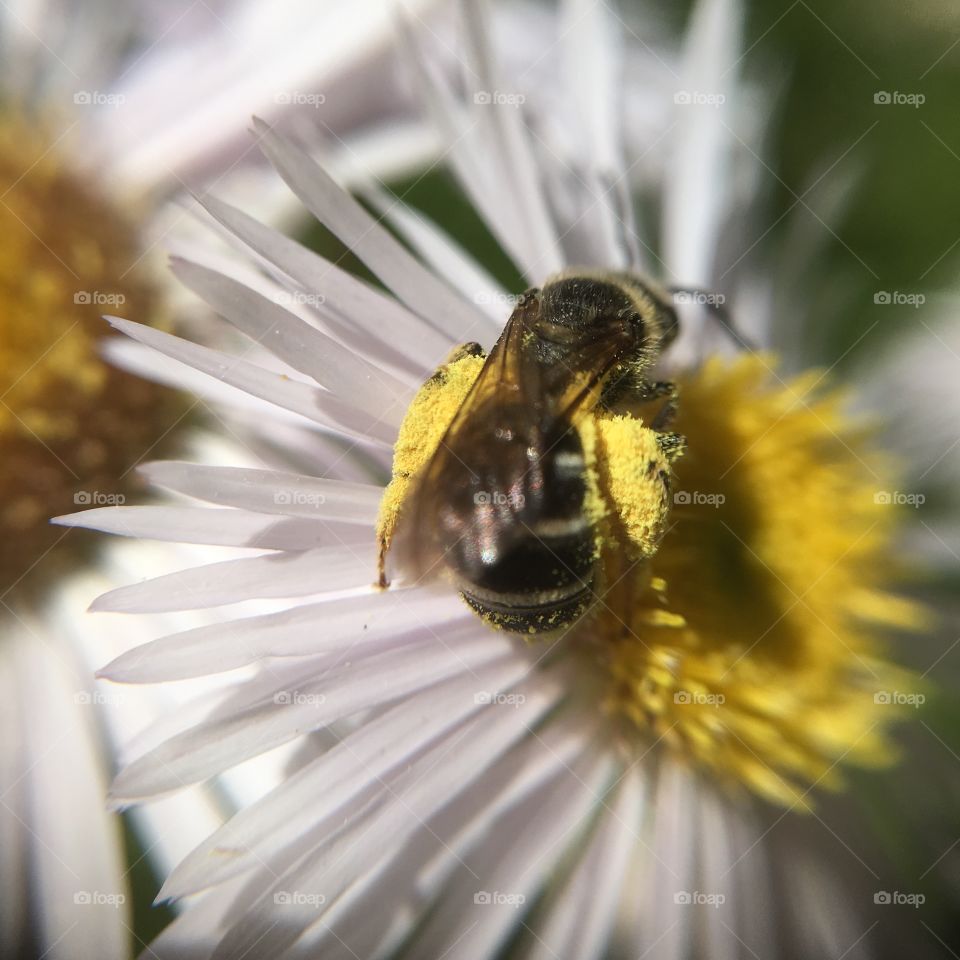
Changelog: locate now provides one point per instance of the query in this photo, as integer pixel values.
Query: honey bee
(501, 501)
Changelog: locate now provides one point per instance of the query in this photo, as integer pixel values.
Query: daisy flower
(72, 85)
(666, 777)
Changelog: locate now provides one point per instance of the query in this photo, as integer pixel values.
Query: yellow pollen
(744, 588)
(754, 648)
(70, 425)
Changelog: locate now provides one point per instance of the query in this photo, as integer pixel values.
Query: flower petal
(326, 570)
(513, 862)
(694, 199)
(310, 402)
(268, 491)
(228, 528)
(342, 371)
(583, 912)
(209, 748)
(349, 305)
(393, 809)
(317, 793)
(413, 284)
(302, 631)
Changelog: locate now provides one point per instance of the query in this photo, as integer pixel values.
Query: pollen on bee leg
(424, 424)
(634, 474)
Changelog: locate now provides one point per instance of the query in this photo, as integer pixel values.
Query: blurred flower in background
(82, 218)
(448, 793)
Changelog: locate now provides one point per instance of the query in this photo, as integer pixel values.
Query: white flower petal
(664, 924)
(740, 861)
(229, 401)
(439, 848)
(269, 491)
(598, 229)
(514, 861)
(63, 840)
(694, 198)
(413, 284)
(507, 150)
(342, 371)
(492, 190)
(316, 794)
(302, 631)
(448, 260)
(321, 407)
(193, 94)
(208, 748)
(389, 329)
(229, 528)
(583, 912)
(398, 807)
(326, 570)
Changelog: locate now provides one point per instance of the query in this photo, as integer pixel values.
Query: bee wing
(506, 387)
(574, 384)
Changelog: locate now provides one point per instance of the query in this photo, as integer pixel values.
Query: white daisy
(649, 783)
(73, 84)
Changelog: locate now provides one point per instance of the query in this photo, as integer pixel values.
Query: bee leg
(382, 581)
(719, 313)
(668, 412)
(632, 385)
(666, 415)
(654, 389)
(672, 445)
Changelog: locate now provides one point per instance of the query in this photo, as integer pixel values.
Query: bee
(501, 501)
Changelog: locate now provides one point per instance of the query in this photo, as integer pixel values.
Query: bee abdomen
(535, 612)
(546, 582)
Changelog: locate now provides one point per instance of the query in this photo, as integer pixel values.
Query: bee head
(579, 305)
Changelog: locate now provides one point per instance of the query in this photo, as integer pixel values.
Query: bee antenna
(716, 307)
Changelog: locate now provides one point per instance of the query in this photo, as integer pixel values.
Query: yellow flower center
(70, 425)
(751, 642)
